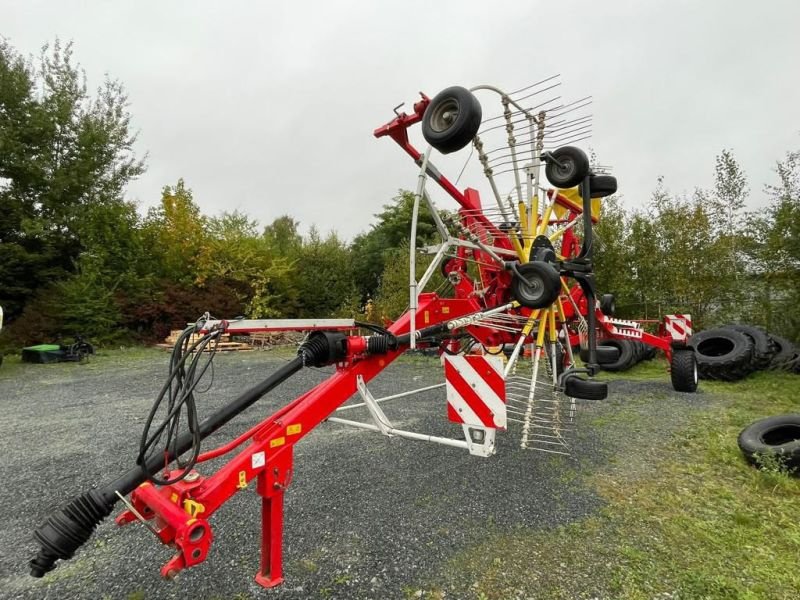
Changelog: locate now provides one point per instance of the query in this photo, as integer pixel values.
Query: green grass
(699, 523)
(648, 370)
(13, 366)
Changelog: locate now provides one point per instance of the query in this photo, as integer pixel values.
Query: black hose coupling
(322, 348)
(381, 344)
(67, 529)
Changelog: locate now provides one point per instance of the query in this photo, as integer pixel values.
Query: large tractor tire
(785, 351)
(763, 346)
(627, 355)
(722, 354)
(775, 438)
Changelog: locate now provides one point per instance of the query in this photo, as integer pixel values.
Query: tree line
(76, 257)
(706, 254)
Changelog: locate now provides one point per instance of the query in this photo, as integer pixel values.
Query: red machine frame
(179, 513)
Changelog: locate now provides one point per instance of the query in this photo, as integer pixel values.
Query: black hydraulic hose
(70, 527)
(131, 480)
(587, 281)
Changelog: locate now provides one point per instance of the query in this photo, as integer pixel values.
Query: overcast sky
(269, 107)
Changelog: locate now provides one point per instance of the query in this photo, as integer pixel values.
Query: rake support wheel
(608, 305)
(452, 119)
(566, 167)
(536, 284)
(601, 186)
(585, 389)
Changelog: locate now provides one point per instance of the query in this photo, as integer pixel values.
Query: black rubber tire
(793, 366)
(683, 370)
(539, 285)
(608, 305)
(763, 346)
(574, 167)
(604, 354)
(601, 186)
(585, 389)
(649, 352)
(722, 354)
(777, 437)
(784, 352)
(448, 133)
(627, 356)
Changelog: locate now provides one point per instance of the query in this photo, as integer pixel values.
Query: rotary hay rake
(508, 267)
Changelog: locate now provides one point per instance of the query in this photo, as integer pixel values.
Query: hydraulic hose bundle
(69, 527)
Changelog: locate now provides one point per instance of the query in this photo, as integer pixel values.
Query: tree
(282, 236)
(778, 252)
(235, 250)
(176, 233)
(393, 228)
(62, 153)
(613, 264)
(323, 275)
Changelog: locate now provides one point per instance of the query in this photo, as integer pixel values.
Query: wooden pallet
(267, 339)
(221, 347)
(224, 345)
(175, 334)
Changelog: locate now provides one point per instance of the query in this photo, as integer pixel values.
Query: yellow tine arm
(523, 217)
(542, 328)
(560, 306)
(545, 219)
(526, 331)
(552, 329)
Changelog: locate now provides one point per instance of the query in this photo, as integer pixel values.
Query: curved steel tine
(537, 92)
(527, 87)
(523, 120)
(526, 139)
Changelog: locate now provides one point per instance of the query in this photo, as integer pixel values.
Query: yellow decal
(174, 498)
(277, 442)
(193, 508)
(242, 480)
(190, 521)
(427, 316)
(445, 310)
(294, 429)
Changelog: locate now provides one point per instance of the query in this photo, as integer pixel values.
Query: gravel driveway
(366, 516)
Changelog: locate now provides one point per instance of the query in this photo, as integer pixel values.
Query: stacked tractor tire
(631, 352)
(734, 351)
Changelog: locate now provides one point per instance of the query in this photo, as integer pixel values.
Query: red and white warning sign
(678, 326)
(476, 390)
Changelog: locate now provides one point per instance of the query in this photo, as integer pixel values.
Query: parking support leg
(272, 483)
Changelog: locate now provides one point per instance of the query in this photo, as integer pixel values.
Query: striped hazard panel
(476, 391)
(678, 326)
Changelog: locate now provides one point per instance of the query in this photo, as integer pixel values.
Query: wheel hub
(445, 116)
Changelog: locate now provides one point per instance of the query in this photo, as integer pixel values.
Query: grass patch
(104, 357)
(647, 370)
(698, 523)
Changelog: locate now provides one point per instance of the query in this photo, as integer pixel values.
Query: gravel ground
(366, 516)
